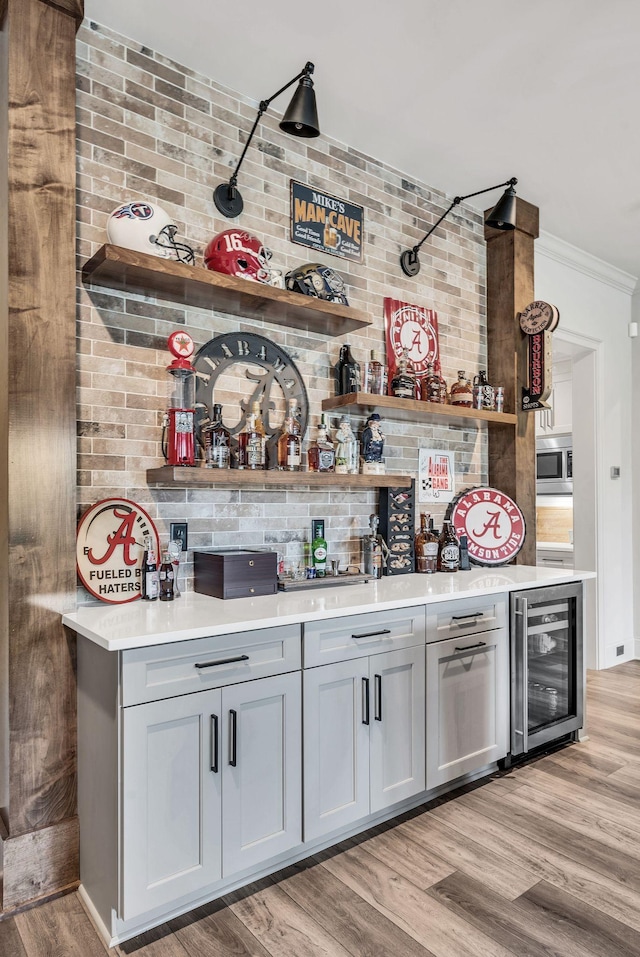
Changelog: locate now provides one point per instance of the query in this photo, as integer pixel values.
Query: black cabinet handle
(377, 714)
(214, 743)
(481, 644)
(365, 701)
(233, 745)
(220, 661)
(373, 634)
(478, 614)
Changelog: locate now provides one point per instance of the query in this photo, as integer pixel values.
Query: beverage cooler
(547, 682)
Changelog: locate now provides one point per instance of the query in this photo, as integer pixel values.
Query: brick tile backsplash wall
(150, 128)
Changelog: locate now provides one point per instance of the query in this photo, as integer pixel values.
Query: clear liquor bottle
(289, 443)
(217, 441)
(374, 375)
(322, 454)
(403, 384)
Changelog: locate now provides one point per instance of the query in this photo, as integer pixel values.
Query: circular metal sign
(249, 368)
(492, 522)
(109, 549)
(538, 317)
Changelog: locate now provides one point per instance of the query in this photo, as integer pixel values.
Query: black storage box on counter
(235, 572)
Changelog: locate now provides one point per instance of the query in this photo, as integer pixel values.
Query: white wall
(595, 302)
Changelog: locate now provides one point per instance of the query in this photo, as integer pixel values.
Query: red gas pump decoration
(178, 445)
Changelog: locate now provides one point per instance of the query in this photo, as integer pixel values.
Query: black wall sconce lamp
(502, 216)
(300, 119)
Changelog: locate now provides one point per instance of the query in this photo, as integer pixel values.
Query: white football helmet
(147, 228)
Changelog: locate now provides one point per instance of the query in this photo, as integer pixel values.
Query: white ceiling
(459, 94)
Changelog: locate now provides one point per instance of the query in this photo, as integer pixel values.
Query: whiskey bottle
(434, 388)
(217, 442)
(448, 549)
(349, 373)
(374, 377)
(322, 454)
(426, 545)
(251, 444)
(289, 444)
(403, 384)
(461, 391)
(342, 358)
(483, 393)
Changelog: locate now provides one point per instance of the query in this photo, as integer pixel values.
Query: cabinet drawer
(355, 636)
(466, 616)
(164, 671)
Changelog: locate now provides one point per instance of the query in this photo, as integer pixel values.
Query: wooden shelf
(414, 410)
(120, 268)
(169, 475)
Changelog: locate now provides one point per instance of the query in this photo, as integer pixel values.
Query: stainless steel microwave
(554, 465)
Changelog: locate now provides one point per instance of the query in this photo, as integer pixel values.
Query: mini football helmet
(238, 253)
(314, 279)
(147, 228)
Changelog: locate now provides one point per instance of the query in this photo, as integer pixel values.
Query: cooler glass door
(546, 665)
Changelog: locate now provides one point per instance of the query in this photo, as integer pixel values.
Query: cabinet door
(336, 746)
(171, 807)
(397, 742)
(562, 415)
(467, 704)
(262, 776)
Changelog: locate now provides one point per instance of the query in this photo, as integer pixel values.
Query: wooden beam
(73, 8)
(510, 287)
(39, 455)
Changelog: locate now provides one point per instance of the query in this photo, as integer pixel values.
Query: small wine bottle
(150, 586)
(166, 578)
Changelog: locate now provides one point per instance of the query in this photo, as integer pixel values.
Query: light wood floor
(542, 860)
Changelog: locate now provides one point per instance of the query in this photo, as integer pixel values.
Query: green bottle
(318, 547)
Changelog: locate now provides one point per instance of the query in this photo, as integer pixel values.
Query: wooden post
(38, 448)
(510, 288)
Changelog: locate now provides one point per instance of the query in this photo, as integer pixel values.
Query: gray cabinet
(364, 747)
(467, 688)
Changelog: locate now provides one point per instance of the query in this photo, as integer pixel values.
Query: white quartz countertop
(141, 624)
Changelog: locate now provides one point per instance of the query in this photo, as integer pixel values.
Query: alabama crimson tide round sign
(110, 546)
(492, 522)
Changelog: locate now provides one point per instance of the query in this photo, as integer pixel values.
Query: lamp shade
(301, 117)
(503, 214)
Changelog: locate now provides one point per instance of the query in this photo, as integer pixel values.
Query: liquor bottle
(318, 547)
(289, 444)
(251, 444)
(166, 578)
(461, 391)
(374, 375)
(483, 393)
(347, 459)
(499, 403)
(426, 545)
(217, 441)
(403, 384)
(434, 388)
(448, 549)
(349, 374)
(321, 454)
(339, 366)
(150, 587)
